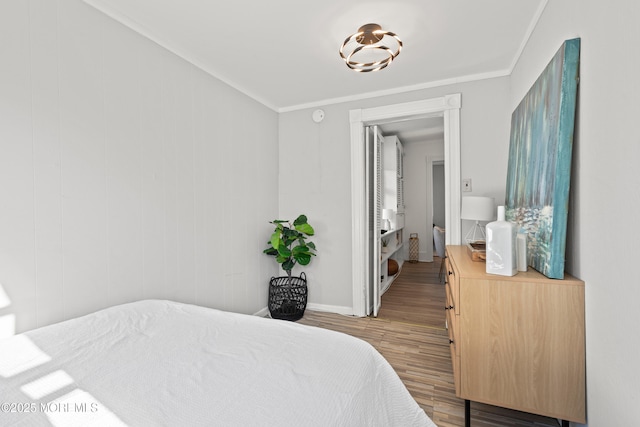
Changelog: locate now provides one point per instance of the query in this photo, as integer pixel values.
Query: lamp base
(471, 234)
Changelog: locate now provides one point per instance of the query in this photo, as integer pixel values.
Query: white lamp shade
(478, 208)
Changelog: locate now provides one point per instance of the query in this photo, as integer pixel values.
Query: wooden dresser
(516, 342)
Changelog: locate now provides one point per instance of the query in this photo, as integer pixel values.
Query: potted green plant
(289, 245)
(385, 244)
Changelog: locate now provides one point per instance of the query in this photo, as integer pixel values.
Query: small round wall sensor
(317, 116)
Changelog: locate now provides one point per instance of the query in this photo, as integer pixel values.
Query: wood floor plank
(416, 296)
(410, 333)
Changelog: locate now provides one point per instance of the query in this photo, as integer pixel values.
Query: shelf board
(390, 232)
(386, 255)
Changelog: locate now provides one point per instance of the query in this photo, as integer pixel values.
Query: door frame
(447, 107)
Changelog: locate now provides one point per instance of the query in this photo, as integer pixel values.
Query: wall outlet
(466, 185)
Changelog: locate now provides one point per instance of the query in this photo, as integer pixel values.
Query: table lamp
(476, 208)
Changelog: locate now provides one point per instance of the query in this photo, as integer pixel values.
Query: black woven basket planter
(288, 301)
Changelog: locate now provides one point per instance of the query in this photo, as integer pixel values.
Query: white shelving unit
(393, 153)
(394, 246)
(393, 199)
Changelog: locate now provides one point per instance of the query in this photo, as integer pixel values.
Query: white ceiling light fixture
(370, 49)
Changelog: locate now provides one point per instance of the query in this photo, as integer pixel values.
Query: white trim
(347, 311)
(359, 212)
(264, 312)
(532, 26)
(452, 171)
(398, 90)
(449, 108)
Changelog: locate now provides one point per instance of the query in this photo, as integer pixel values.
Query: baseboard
(347, 311)
(264, 312)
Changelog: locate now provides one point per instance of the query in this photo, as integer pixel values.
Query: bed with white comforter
(161, 363)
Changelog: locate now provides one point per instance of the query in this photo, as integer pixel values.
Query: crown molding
(398, 90)
(532, 26)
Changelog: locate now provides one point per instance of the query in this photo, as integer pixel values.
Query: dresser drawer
(452, 282)
(452, 327)
(452, 323)
(454, 334)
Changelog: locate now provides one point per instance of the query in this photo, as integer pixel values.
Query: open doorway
(447, 108)
(425, 189)
(423, 178)
(435, 208)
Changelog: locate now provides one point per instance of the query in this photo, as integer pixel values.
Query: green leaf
(284, 251)
(287, 232)
(270, 251)
(300, 249)
(302, 219)
(303, 259)
(311, 245)
(275, 240)
(305, 228)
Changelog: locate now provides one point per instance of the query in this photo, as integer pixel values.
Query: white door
(373, 148)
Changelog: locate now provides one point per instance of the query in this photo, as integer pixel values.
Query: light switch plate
(466, 185)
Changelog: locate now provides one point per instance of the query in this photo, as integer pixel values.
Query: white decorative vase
(501, 246)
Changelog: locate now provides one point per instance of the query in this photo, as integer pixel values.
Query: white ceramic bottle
(501, 246)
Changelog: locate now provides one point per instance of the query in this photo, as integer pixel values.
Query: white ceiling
(284, 53)
(429, 129)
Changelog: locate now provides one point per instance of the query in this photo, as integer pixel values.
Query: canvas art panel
(539, 170)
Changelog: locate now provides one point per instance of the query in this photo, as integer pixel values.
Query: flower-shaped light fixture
(370, 49)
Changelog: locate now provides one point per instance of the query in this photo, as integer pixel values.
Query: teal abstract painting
(539, 170)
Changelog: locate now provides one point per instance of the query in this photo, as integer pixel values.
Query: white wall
(315, 174)
(125, 173)
(602, 239)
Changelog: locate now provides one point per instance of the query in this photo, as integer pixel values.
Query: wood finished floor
(410, 333)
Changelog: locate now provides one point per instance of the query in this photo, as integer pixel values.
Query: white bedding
(161, 363)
